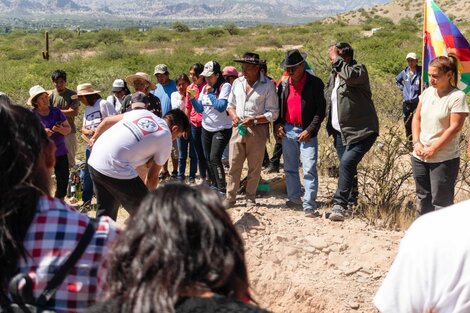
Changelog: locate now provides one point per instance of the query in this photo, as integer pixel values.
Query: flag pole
(425, 22)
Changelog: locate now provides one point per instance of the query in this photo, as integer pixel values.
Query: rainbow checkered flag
(440, 37)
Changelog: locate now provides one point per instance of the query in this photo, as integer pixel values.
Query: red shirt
(294, 102)
(194, 117)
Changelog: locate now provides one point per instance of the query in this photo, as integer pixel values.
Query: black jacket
(313, 103)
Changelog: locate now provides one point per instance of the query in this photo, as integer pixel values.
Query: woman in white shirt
(216, 123)
(439, 118)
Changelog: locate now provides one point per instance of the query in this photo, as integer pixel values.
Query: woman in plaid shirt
(38, 232)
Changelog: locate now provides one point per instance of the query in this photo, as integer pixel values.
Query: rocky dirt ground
(299, 264)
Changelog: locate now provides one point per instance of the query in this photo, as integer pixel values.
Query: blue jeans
(183, 156)
(349, 158)
(308, 152)
(196, 138)
(87, 182)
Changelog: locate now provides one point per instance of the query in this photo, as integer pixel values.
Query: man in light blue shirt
(165, 87)
(409, 82)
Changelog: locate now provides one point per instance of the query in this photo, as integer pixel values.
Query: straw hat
(34, 92)
(140, 75)
(84, 90)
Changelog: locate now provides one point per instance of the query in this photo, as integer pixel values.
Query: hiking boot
(311, 213)
(293, 205)
(338, 213)
(251, 203)
(163, 176)
(229, 203)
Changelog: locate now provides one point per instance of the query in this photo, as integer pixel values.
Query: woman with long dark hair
(180, 253)
(437, 123)
(178, 101)
(195, 117)
(216, 123)
(38, 232)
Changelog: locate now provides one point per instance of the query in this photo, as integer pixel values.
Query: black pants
(111, 192)
(213, 144)
(61, 170)
(435, 183)
(409, 108)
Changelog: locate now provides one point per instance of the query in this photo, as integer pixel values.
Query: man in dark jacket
(352, 121)
(302, 109)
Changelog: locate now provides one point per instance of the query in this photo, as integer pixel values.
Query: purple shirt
(55, 116)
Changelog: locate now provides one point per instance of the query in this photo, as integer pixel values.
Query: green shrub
(215, 32)
(232, 29)
(180, 27)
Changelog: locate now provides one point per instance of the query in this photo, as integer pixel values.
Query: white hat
(411, 55)
(118, 85)
(34, 92)
(210, 68)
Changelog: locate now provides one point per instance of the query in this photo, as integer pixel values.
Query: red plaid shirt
(51, 238)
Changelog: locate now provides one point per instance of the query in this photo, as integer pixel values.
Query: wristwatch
(255, 121)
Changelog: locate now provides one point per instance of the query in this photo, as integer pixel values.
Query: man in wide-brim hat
(252, 105)
(142, 82)
(302, 109)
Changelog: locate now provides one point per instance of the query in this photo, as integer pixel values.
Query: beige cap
(411, 55)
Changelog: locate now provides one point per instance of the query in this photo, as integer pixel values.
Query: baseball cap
(160, 69)
(118, 85)
(139, 100)
(411, 55)
(230, 71)
(210, 68)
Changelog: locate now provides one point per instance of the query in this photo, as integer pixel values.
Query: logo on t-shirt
(147, 125)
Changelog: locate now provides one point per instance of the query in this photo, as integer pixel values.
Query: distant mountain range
(264, 10)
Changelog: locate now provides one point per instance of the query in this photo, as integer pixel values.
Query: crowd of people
(180, 252)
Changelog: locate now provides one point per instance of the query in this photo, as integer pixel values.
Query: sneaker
(312, 213)
(229, 203)
(293, 205)
(174, 175)
(272, 168)
(250, 203)
(192, 180)
(338, 213)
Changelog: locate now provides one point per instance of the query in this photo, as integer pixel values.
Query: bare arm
(105, 125)
(71, 112)
(62, 128)
(416, 130)
(152, 175)
(456, 123)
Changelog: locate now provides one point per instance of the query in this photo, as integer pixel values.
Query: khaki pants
(71, 144)
(251, 148)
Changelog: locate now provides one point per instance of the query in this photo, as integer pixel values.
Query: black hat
(139, 100)
(293, 58)
(250, 58)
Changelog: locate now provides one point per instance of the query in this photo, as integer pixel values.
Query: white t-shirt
(334, 106)
(213, 120)
(115, 102)
(94, 114)
(431, 272)
(177, 101)
(435, 119)
(137, 138)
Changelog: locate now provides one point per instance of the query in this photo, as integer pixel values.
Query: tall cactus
(45, 54)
